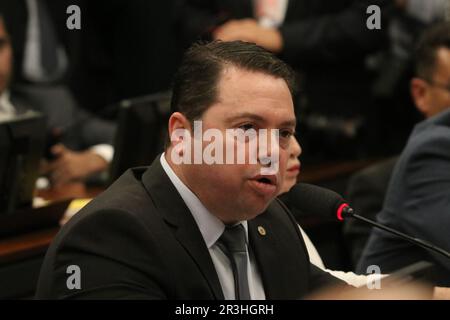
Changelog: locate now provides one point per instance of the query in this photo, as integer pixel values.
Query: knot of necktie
(234, 239)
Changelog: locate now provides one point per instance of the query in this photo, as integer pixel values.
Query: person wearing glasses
(418, 197)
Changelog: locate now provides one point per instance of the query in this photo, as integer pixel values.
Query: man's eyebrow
(289, 123)
(255, 117)
(247, 115)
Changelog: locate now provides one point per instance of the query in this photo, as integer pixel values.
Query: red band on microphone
(339, 211)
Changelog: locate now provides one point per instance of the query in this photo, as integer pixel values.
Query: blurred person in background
(392, 89)
(417, 199)
(327, 43)
(79, 144)
(393, 68)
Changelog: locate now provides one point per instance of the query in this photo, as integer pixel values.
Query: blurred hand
(72, 165)
(250, 31)
(441, 293)
(406, 291)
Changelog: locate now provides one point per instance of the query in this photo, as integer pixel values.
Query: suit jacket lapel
(283, 267)
(175, 212)
(265, 249)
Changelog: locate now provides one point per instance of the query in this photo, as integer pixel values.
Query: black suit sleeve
(335, 36)
(425, 211)
(90, 130)
(79, 129)
(117, 257)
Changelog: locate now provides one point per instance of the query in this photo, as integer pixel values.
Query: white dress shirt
(270, 13)
(351, 278)
(211, 229)
(7, 110)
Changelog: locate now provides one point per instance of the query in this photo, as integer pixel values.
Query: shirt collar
(210, 226)
(7, 110)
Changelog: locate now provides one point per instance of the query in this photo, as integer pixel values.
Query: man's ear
(177, 121)
(419, 93)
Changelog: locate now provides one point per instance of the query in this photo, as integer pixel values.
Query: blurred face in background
(5, 57)
(432, 96)
(293, 166)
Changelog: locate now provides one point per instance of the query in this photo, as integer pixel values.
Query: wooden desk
(21, 256)
(73, 190)
(26, 245)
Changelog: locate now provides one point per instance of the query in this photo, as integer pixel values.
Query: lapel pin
(261, 231)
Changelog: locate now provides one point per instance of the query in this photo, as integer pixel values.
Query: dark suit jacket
(366, 192)
(16, 17)
(326, 40)
(79, 129)
(417, 202)
(55, 100)
(139, 240)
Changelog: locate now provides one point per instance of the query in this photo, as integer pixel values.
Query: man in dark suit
(418, 199)
(84, 142)
(179, 230)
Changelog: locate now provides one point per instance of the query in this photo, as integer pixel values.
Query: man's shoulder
(434, 129)
(126, 198)
(429, 138)
(428, 145)
(125, 191)
(122, 215)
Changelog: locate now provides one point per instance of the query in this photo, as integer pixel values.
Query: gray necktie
(233, 243)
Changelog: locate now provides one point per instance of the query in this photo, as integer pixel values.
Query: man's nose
(268, 147)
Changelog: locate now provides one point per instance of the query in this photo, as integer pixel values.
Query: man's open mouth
(269, 179)
(265, 185)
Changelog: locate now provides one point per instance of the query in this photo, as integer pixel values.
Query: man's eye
(286, 133)
(247, 126)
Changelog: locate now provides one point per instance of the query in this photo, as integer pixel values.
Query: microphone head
(318, 201)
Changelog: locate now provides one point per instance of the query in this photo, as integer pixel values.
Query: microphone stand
(348, 212)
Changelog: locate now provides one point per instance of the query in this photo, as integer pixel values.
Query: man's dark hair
(434, 38)
(195, 83)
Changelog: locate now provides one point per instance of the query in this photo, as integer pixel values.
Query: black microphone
(323, 202)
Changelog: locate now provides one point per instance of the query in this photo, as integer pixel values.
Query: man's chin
(257, 210)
